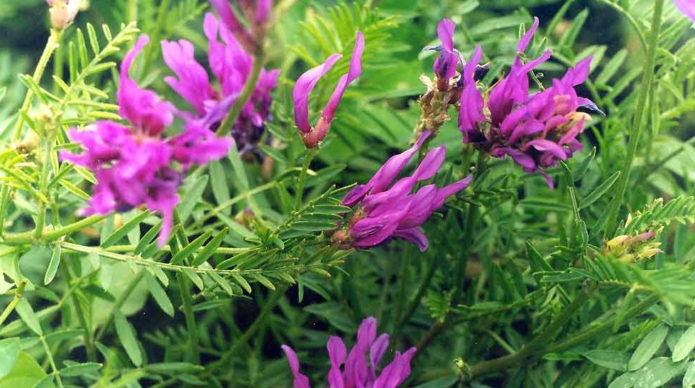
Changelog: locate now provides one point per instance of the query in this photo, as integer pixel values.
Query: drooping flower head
(312, 136)
(687, 7)
(357, 371)
(257, 14)
(232, 67)
(384, 213)
(134, 165)
(536, 131)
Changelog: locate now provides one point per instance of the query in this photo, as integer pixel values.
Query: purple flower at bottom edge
(357, 371)
(312, 136)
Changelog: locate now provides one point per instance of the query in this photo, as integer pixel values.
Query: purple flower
(385, 212)
(445, 65)
(312, 136)
(687, 7)
(257, 13)
(536, 131)
(134, 165)
(357, 370)
(232, 66)
(141, 107)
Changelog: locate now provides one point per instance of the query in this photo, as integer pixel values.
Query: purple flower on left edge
(357, 371)
(313, 135)
(232, 66)
(134, 165)
(384, 213)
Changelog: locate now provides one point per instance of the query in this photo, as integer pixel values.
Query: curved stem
(249, 87)
(646, 85)
(539, 341)
(119, 302)
(51, 235)
(302, 178)
(17, 298)
(629, 18)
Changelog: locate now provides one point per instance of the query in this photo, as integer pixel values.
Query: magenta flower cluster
(383, 213)
(357, 371)
(137, 165)
(232, 66)
(536, 130)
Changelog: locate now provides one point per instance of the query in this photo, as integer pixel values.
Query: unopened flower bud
(617, 241)
(63, 12)
(649, 253)
(642, 237)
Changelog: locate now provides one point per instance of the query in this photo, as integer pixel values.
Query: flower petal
(142, 107)
(578, 74)
(304, 85)
(192, 82)
(526, 39)
(449, 190)
(354, 73)
(472, 102)
(386, 174)
(687, 7)
(300, 381)
(415, 236)
(336, 353)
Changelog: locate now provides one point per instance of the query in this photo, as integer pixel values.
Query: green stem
(231, 202)
(605, 327)
(414, 302)
(157, 31)
(186, 299)
(193, 355)
(43, 186)
(15, 301)
(646, 84)
(538, 342)
(51, 235)
(635, 25)
(49, 356)
(302, 178)
(255, 326)
(180, 268)
(119, 302)
(51, 45)
(133, 10)
(81, 316)
(402, 297)
(258, 59)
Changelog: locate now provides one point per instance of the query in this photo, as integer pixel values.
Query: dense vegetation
(194, 192)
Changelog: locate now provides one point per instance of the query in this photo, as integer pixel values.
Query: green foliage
(521, 285)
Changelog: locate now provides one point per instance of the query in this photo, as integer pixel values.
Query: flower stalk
(637, 123)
